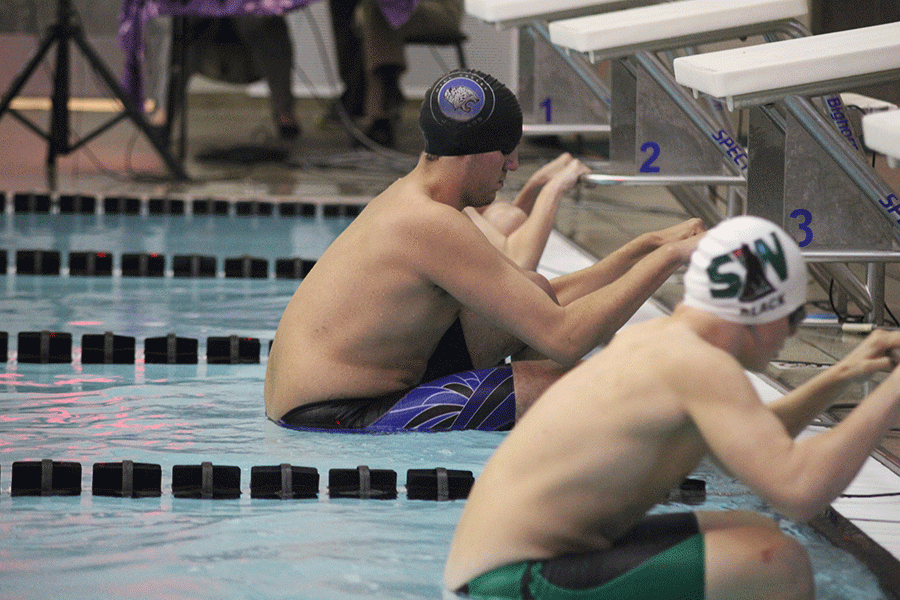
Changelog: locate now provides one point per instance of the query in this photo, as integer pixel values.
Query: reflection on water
(97, 547)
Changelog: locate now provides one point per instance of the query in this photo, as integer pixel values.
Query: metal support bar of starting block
(875, 275)
(663, 180)
(734, 155)
(648, 62)
(794, 181)
(569, 96)
(533, 129)
(682, 145)
(808, 177)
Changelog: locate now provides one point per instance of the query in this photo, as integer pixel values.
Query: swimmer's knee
(788, 564)
(757, 561)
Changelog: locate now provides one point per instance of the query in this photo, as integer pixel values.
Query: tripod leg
(136, 116)
(26, 73)
(59, 128)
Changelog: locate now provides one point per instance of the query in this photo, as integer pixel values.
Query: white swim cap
(746, 270)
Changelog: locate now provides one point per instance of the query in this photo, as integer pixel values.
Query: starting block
(809, 172)
(559, 94)
(881, 133)
(660, 134)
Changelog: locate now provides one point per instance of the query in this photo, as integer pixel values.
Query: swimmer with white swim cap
(561, 508)
(746, 270)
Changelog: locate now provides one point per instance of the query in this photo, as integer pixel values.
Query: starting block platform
(881, 133)
(559, 94)
(809, 171)
(672, 25)
(813, 65)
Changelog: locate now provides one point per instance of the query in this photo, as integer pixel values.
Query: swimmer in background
(561, 505)
(406, 320)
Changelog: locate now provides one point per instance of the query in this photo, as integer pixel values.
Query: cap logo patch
(754, 285)
(461, 99)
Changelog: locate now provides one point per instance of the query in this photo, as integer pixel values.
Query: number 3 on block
(805, 219)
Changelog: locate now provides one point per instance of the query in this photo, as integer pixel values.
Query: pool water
(90, 547)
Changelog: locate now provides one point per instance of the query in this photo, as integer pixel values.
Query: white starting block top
(512, 12)
(881, 133)
(813, 65)
(667, 25)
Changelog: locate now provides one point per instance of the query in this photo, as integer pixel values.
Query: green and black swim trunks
(660, 558)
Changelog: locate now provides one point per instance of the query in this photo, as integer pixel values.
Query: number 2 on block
(648, 166)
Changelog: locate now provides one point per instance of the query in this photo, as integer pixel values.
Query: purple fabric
(397, 12)
(136, 13)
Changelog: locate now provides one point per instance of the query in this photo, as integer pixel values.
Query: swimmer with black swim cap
(408, 318)
(469, 112)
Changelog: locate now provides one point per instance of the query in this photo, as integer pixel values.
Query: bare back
(364, 321)
(562, 492)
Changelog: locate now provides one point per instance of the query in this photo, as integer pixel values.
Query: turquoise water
(91, 547)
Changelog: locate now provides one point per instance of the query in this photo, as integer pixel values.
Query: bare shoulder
(688, 361)
(406, 210)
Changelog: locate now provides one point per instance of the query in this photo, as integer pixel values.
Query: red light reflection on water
(18, 379)
(61, 416)
(86, 323)
(77, 380)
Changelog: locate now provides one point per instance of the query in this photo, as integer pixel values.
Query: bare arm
(799, 478)
(682, 238)
(526, 244)
(462, 262)
(799, 407)
(527, 196)
(520, 229)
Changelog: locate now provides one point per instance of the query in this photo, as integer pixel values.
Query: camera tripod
(66, 30)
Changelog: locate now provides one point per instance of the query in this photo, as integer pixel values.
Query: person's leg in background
(348, 46)
(270, 46)
(385, 61)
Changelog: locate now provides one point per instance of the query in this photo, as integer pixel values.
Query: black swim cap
(469, 112)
